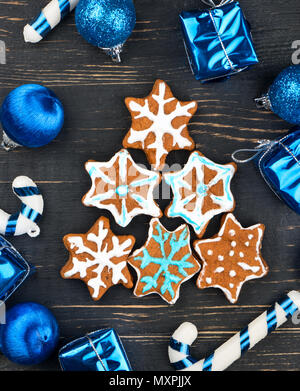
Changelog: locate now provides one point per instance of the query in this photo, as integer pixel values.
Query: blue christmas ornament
(30, 334)
(283, 97)
(31, 116)
(106, 24)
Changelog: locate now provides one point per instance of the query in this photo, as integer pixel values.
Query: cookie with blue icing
(164, 262)
(201, 191)
(122, 187)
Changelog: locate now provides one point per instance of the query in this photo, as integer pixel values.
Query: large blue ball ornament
(31, 116)
(283, 97)
(30, 334)
(106, 23)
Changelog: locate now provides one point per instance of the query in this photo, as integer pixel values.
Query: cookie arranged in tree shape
(201, 191)
(231, 258)
(99, 258)
(159, 124)
(164, 262)
(122, 187)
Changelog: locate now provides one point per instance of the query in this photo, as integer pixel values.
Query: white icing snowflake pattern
(123, 188)
(101, 261)
(161, 125)
(192, 193)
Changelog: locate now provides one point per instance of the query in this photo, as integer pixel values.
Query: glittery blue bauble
(32, 115)
(284, 94)
(105, 23)
(30, 334)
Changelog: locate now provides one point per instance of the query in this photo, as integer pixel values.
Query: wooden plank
(93, 90)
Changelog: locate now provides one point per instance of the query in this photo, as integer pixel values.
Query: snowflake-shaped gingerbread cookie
(122, 187)
(159, 124)
(231, 258)
(164, 263)
(98, 258)
(201, 191)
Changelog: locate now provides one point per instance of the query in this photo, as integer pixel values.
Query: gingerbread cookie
(201, 191)
(98, 258)
(164, 262)
(159, 124)
(231, 258)
(122, 187)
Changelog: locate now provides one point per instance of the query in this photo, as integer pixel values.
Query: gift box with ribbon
(101, 350)
(218, 40)
(13, 269)
(279, 164)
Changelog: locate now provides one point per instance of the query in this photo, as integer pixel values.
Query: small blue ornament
(283, 97)
(31, 116)
(30, 334)
(106, 24)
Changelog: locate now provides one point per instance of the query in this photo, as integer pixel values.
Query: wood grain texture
(92, 90)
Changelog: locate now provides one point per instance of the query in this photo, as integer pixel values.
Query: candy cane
(49, 17)
(230, 351)
(31, 210)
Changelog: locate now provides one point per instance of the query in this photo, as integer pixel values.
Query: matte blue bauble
(105, 23)
(30, 334)
(31, 115)
(283, 97)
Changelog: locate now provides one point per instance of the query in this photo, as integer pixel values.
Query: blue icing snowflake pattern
(165, 261)
(188, 204)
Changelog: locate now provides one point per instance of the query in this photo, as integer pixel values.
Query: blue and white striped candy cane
(230, 351)
(49, 17)
(24, 221)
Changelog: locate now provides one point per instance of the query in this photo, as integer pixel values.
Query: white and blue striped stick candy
(230, 351)
(25, 220)
(49, 17)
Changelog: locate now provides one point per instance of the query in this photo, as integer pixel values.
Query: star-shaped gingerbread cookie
(122, 187)
(98, 258)
(159, 124)
(201, 191)
(231, 258)
(164, 262)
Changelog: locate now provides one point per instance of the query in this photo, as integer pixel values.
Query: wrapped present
(13, 269)
(101, 350)
(218, 41)
(279, 164)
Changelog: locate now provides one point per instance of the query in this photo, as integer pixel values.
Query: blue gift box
(218, 41)
(13, 269)
(280, 167)
(101, 350)
(279, 164)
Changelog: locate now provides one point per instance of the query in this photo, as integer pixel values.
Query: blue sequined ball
(32, 115)
(105, 23)
(284, 94)
(30, 334)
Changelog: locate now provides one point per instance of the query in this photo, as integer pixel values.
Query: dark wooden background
(92, 89)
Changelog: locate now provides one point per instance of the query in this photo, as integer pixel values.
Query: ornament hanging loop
(114, 53)
(7, 144)
(213, 4)
(263, 145)
(263, 102)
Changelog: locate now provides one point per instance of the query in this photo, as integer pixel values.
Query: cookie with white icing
(164, 262)
(159, 124)
(99, 258)
(201, 191)
(231, 258)
(122, 187)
